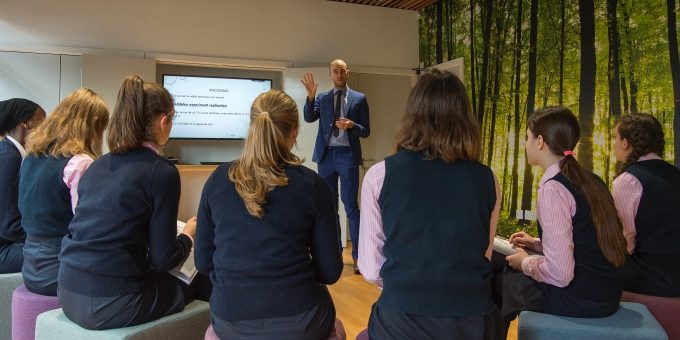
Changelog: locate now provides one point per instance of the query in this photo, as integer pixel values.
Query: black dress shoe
(356, 268)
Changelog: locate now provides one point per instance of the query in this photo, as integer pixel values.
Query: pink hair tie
(568, 153)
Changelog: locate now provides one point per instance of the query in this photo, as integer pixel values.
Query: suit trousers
(339, 163)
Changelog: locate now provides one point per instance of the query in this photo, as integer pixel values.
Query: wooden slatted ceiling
(414, 5)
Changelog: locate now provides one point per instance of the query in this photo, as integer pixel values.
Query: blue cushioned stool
(188, 324)
(632, 321)
(8, 283)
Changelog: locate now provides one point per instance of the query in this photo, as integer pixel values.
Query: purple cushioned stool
(666, 310)
(338, 332)
(26, 306)
(363, 335)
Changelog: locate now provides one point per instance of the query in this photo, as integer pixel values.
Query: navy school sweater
(273, 266)
(124, 227)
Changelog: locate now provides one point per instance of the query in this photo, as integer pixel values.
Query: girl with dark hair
(17, 117)
(580, 234)
(268, 235)
(428, 218)
(646, 193)
(123, 237)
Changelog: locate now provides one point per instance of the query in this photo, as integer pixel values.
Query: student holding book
(267, 235)
(646, 193)
(123, 238)
(428, 219)
(17, 117)
(59, 152)
(580, 233)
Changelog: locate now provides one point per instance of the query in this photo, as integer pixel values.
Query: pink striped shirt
(74, 169)
(371, 232)
(555, 209)
(627, 191)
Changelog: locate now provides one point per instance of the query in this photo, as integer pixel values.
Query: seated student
(59, 152)
(646, 193)
(267, 235)
(580, 233)
(17, 117)
(123, 236)
(428, 215)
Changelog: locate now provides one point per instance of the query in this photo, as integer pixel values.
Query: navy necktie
(336, 111)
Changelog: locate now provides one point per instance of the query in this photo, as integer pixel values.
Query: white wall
(42, 78)
(312, 31)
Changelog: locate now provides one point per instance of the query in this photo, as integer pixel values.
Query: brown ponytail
(261, 167)
(138, 103)
(560, 130)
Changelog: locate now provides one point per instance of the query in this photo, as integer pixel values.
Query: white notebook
(186, 270)
(503, 246)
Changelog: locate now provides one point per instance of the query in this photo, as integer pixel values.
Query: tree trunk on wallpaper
(527, 186)
(561, 51)
(486, 33)
(472, 55)
(586, 96)
(624, 89)
(518, 69)
(499, 52)
(631, 59)
(613, 66)
(504, 194)
(438, 44)
(449, 30)
(675, 73)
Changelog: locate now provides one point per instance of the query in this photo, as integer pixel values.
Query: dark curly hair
(643, 132)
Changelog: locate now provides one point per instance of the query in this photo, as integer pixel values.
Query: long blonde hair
(75, 127)
(273, 118)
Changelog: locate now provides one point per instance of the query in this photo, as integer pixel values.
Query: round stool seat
(26, 306)
(337, 334)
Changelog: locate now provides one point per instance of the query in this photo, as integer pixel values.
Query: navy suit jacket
(322, 109)
(10, 218)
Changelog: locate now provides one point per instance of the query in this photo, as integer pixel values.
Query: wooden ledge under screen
(193, 178)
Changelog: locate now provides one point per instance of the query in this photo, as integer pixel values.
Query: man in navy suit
(343, 119)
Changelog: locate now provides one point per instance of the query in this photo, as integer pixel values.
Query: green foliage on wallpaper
(507, 226)
(646, 84)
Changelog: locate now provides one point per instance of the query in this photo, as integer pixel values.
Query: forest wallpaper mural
(602, 59)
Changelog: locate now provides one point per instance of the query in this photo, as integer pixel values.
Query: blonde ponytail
(273, 119)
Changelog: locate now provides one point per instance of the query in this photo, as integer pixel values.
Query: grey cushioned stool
(632, 321)
(186, 325)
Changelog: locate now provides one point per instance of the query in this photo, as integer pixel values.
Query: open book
(503, 246)
(186, 270)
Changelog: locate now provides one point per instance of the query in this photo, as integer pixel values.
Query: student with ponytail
(59, 152)
(580, 234)
(267, 235)
(646, 193)
(123, 237)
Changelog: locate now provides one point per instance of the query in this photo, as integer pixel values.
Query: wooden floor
(353, 297)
